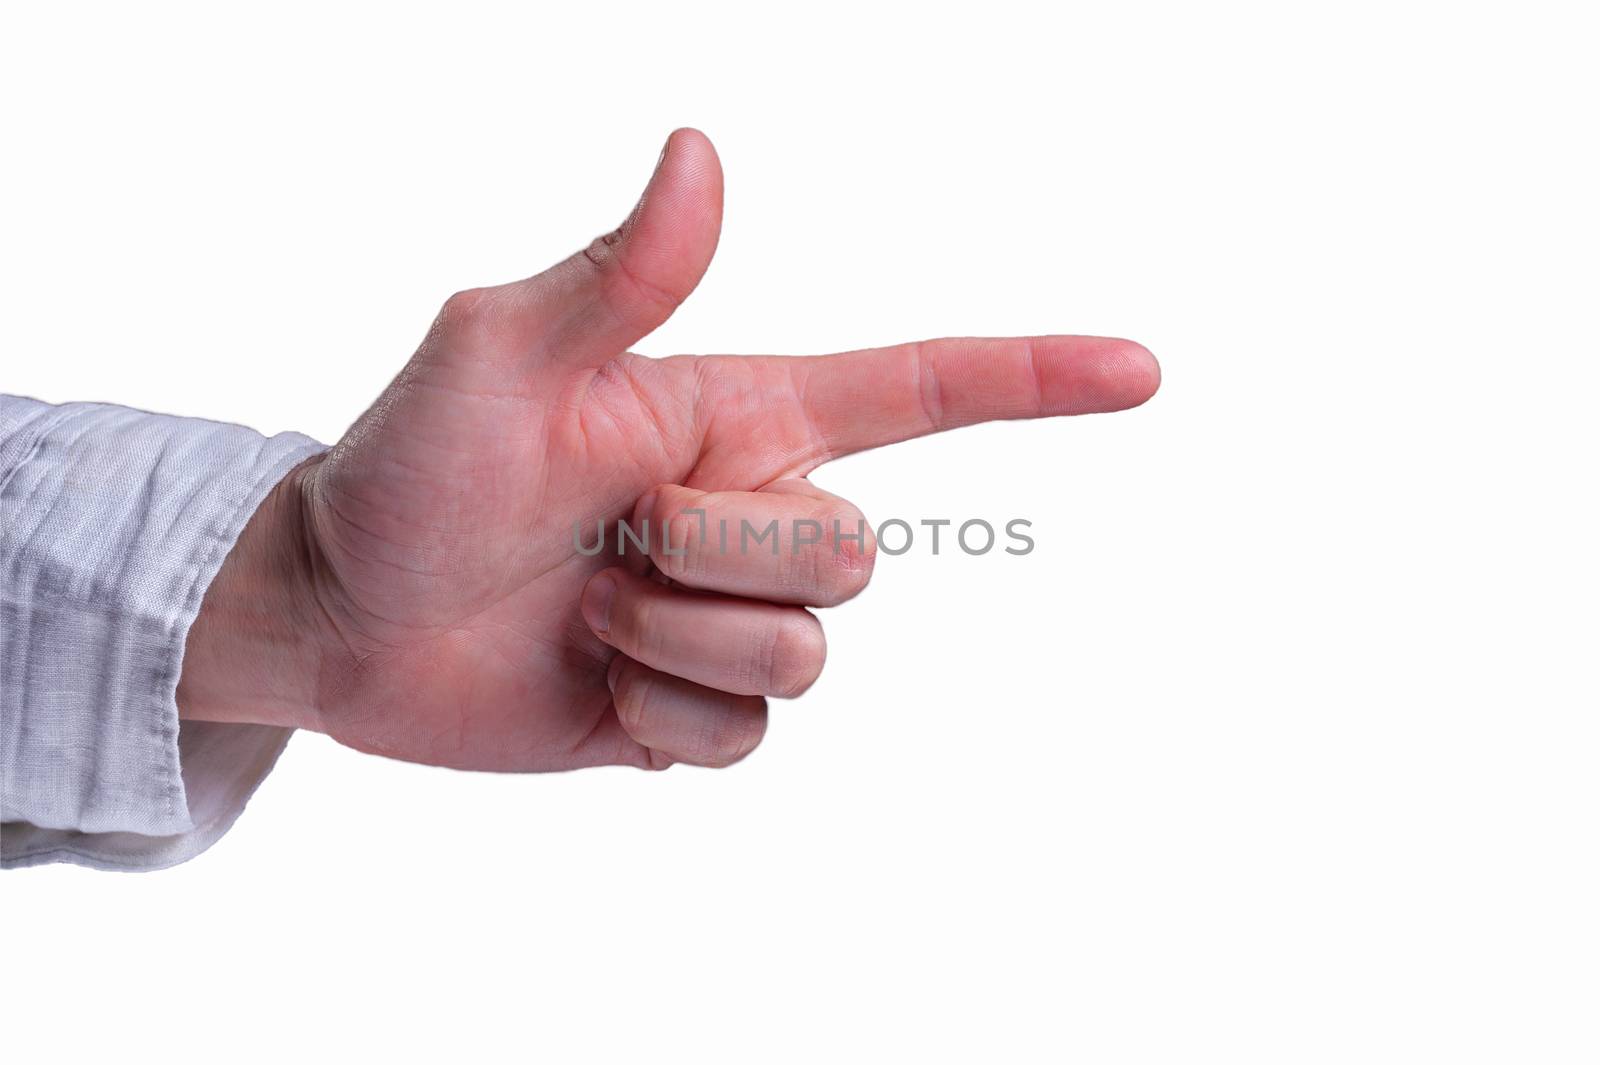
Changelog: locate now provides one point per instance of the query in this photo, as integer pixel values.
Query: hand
(417, 592)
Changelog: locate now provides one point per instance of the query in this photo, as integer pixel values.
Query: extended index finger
(865, 399)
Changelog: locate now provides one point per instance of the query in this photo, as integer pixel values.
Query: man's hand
(417, 592)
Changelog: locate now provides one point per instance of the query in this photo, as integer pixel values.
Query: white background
(1280, 748)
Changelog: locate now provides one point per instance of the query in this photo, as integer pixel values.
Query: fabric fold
(113, 523)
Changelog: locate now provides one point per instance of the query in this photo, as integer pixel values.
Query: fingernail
(646, 505)
(597, 599)
(611, 673)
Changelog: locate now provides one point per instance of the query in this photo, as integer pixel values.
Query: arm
(112, 525)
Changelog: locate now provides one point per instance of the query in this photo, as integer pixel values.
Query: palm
(443, 522)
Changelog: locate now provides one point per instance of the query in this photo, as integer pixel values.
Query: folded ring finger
(734, 645)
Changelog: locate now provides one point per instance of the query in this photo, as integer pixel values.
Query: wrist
(255, 652)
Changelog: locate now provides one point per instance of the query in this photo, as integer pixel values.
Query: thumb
(591, 306)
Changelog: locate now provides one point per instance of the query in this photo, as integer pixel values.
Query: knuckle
(465, 307)
(601, 252)
(476, 317)
(797, 654)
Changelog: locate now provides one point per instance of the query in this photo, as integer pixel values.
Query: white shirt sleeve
(113, 523)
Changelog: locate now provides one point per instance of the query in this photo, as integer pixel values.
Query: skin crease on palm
(416, 593)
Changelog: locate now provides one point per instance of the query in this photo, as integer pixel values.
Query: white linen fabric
(113, 522)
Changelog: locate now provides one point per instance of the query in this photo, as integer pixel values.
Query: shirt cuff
(113, 523)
